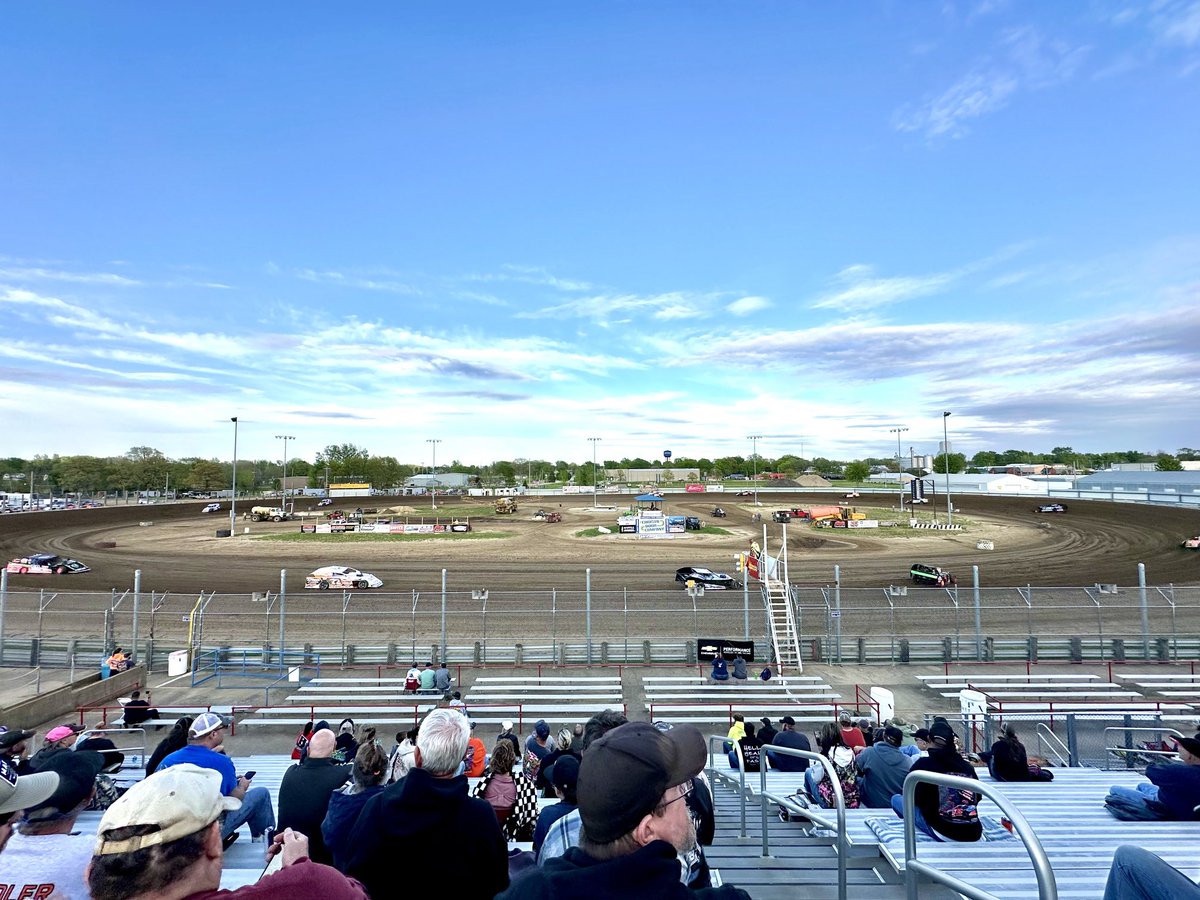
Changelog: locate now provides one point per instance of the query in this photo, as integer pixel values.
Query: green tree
(207, 475)
(958, 463)
(1165, 462)
(857, 472)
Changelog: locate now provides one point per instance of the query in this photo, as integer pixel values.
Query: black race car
(1051, 508)
(931, 575)
(707, 578)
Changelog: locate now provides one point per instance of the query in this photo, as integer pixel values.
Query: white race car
(212, 507)
(46, 564)
(342, 578)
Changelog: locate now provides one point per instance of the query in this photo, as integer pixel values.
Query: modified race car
(341, 578)
(931, 575)
(717, 581)
(46, 564)
(1192, 543)
(211, 508)
(1051, 508)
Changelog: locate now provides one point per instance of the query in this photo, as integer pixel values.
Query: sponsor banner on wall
(415, 528)
(308, 529)
(342, 527)
(715, 488)
(863, 523)
(709, 649)
(676, 524)
(695, 489)
(652, 526)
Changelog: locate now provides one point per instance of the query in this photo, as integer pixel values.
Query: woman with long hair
(366, 780)
(838, 763)
(1010, 762)
(176, 740)
(513, 799)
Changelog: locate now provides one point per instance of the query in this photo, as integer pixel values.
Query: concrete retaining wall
(61, 703)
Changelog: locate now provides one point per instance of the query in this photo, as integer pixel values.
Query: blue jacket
(1178, 788)
(340, 818)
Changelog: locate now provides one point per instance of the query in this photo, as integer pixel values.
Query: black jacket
(1009, 761)
(304, 801)
(651, 872)
(948, 762)
(401, 829)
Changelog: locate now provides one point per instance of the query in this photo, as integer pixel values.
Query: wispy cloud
(40, 274)
(859, 289)
(744, 306)
(351, 280)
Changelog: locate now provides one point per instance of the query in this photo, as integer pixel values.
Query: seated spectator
(562, 747)
(205, 748)
(162, 839)
(720, 670)
(475, 759)
(749, 746)
(457, 704)
(44, 856)
(118, 662)
(514, 800)
(1008, 760)
(14, 745)
(1173, 791)
(882, 769)
(852, 735)
(868, 733)
(176, 739)
(1138, 874)
(736, 732)
(766, 734)
(789, 737)
(19, 792)
(301, 745)
(945, 814)
(537, 748)
(427, 678)
(577, 739)
(59, 739)
(920, 745)
(367, 775)
(564, 779)
(137, 710)
(506, 734)
(635, 828)
(401, 758)
(442, 679)
(838, 763)
(400, 827)
(740, 672)
(412, 679)
(306, 789)
(347, 746)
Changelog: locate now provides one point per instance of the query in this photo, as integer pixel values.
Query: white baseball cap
(19, 792)
(206, 723)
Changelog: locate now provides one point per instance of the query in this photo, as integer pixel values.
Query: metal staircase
(781, 611)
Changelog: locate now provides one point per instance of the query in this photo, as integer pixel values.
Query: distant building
(441, 480)
(651, 476)
(1186, 482)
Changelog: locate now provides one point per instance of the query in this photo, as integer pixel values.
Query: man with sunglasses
(632, 792)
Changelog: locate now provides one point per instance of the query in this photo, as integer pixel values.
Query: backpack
(957, 806)
(842, 767)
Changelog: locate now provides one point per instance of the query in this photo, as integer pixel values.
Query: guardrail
(1128, 753)
(913, 867)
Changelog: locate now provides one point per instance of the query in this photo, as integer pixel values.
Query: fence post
(837, 606)
(746, 605)
(1127, 721)
(443, 612)
(283, 617)
(1145, 611)
(3, 603)
(978, 621)
(1072, 741)
(588, 596)
(137, 602)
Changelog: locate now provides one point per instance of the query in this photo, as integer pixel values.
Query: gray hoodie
(883, 769)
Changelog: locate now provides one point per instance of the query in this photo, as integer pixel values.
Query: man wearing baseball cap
(792, 739)
(937, 812)
(18, 792)
(205, 748)
(162, 841)
(632, 787)
(1173, 791)
(14, 744)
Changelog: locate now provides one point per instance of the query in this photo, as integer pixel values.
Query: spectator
(1138, 874)
(564, 778)
(305, 792)
(506, 734)
(428, 678)
(427, 809)
(18, 792)
(205, 746)
(577, 739)
(118, 662)
(162, 839)
(456, 703)
(367, 775)
(44, 856)
(736, 732)
(176, 739)
(514, 800)
(301, 746)
(882, 769)
(720, 670)
(1173, 791)
(137, 710)
(945, 814)
(106, 791)
(838, 763)
(634, 827)
(442, 679)
(537, 748)
(475, 759)
(412, 679)
(792, 739)
(564, 833)
(14, 745)
(347, 745)
(739, 669)
(59, 739)
(1009, 761)
(868, 733)
(852, 735)
(920, 745)
(766, 734)
(562, 747)
(401, 758)
(750, 750)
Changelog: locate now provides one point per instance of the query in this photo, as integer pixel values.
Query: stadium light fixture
(754, 439)
(433, 442)
(233, 497)
(594, 441)
(946, 457)
(283, 484)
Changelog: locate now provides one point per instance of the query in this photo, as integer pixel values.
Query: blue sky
(671, 225)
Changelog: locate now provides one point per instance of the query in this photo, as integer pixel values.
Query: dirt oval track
(1094, 542)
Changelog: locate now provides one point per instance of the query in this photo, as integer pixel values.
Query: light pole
(433, 442)
(233, 498)
(897, 431)
(594, 441)
(946, 457)
(283, 484)
(754, 439)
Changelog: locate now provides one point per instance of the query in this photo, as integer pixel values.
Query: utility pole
(754, 439)
(233, 499)
(897, 431)
(433, 442)
(946, 457)
(594, 441)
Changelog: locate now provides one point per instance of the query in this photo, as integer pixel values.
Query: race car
(744, 494)
(1051, 508)
(212, 507)
(715, 581)
(931, 575)
(1192, 543)
(327, 501)
(852, 494)
(46, 564)
(340, 577)
(717, 513)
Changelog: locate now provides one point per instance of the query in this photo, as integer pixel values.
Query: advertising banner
(308, 529)
(708, 649)
(862, 523)
(676, 524)
(652, 526)
(695, 489)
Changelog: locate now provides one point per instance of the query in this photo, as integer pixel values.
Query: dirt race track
(179, 552)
